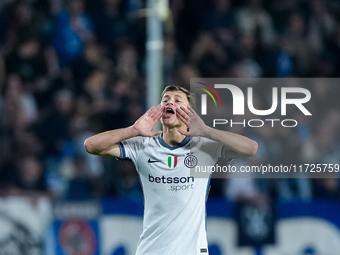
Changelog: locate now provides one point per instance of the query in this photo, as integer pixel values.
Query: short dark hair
(191, 98)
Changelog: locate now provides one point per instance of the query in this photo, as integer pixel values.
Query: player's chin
(169, 122)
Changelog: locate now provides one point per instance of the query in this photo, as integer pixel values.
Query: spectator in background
(96, 89)
(73, 29)
(26, 61)
(321, 25)
(7, 177)
(93, 59)
(322, 146)
(281, 10)
(21, 23)
(81, 128)
(253, 19)
(246, 50)
(327, 188)
(112, 28)
(96, 57)
(19, 106)
(80, 186)
(30, 178)
(172, 57)
(221, 22)
(208, 55)
(302, 51)
(127, 62)
(184, 72)
(285, 57)
(54, 130)
(248, 189)
(130, 186)
(333, 49)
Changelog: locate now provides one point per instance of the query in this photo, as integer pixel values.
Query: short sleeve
(224, 154)
(130, 148)
(216, 149)
(212, 147)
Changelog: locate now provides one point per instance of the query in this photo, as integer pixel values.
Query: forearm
(240, 146)
(106, 143)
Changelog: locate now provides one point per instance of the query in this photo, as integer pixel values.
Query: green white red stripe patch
(172, 161)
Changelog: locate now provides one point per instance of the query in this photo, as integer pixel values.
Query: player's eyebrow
(167, 96)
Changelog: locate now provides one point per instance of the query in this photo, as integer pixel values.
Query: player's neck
(172, 137)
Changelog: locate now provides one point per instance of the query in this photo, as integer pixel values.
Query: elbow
(253, 148)
(89, 146)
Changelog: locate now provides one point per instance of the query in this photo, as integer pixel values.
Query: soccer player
(174, 200)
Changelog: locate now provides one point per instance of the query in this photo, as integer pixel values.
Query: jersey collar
(181, 144)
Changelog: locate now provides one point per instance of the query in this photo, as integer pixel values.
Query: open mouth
(169, 110)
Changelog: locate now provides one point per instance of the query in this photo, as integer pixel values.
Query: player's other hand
(144, 125)
(190, 118)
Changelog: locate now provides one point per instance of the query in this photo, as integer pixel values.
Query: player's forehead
(175, 94)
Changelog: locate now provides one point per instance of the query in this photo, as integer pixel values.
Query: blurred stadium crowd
(70, 69)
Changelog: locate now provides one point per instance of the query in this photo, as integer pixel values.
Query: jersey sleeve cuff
(224, 154)
(122, 150)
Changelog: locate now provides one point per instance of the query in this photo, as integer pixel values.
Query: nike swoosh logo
(153, 161)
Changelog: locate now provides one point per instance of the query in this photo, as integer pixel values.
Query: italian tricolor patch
(172, 161)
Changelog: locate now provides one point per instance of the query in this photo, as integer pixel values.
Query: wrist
(207, 132)
(133, 131)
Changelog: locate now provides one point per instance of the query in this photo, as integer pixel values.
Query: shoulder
(140, 140)
(198, 140)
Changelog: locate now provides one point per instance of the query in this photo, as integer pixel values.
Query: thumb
(157, 133)
(183, 132)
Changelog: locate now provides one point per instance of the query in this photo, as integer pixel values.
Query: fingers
(188, 110)
(183, 114)
(159, 111)
(185, 120)
(186, 113)
(148, 112)
(186, 133)
(155, 112)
